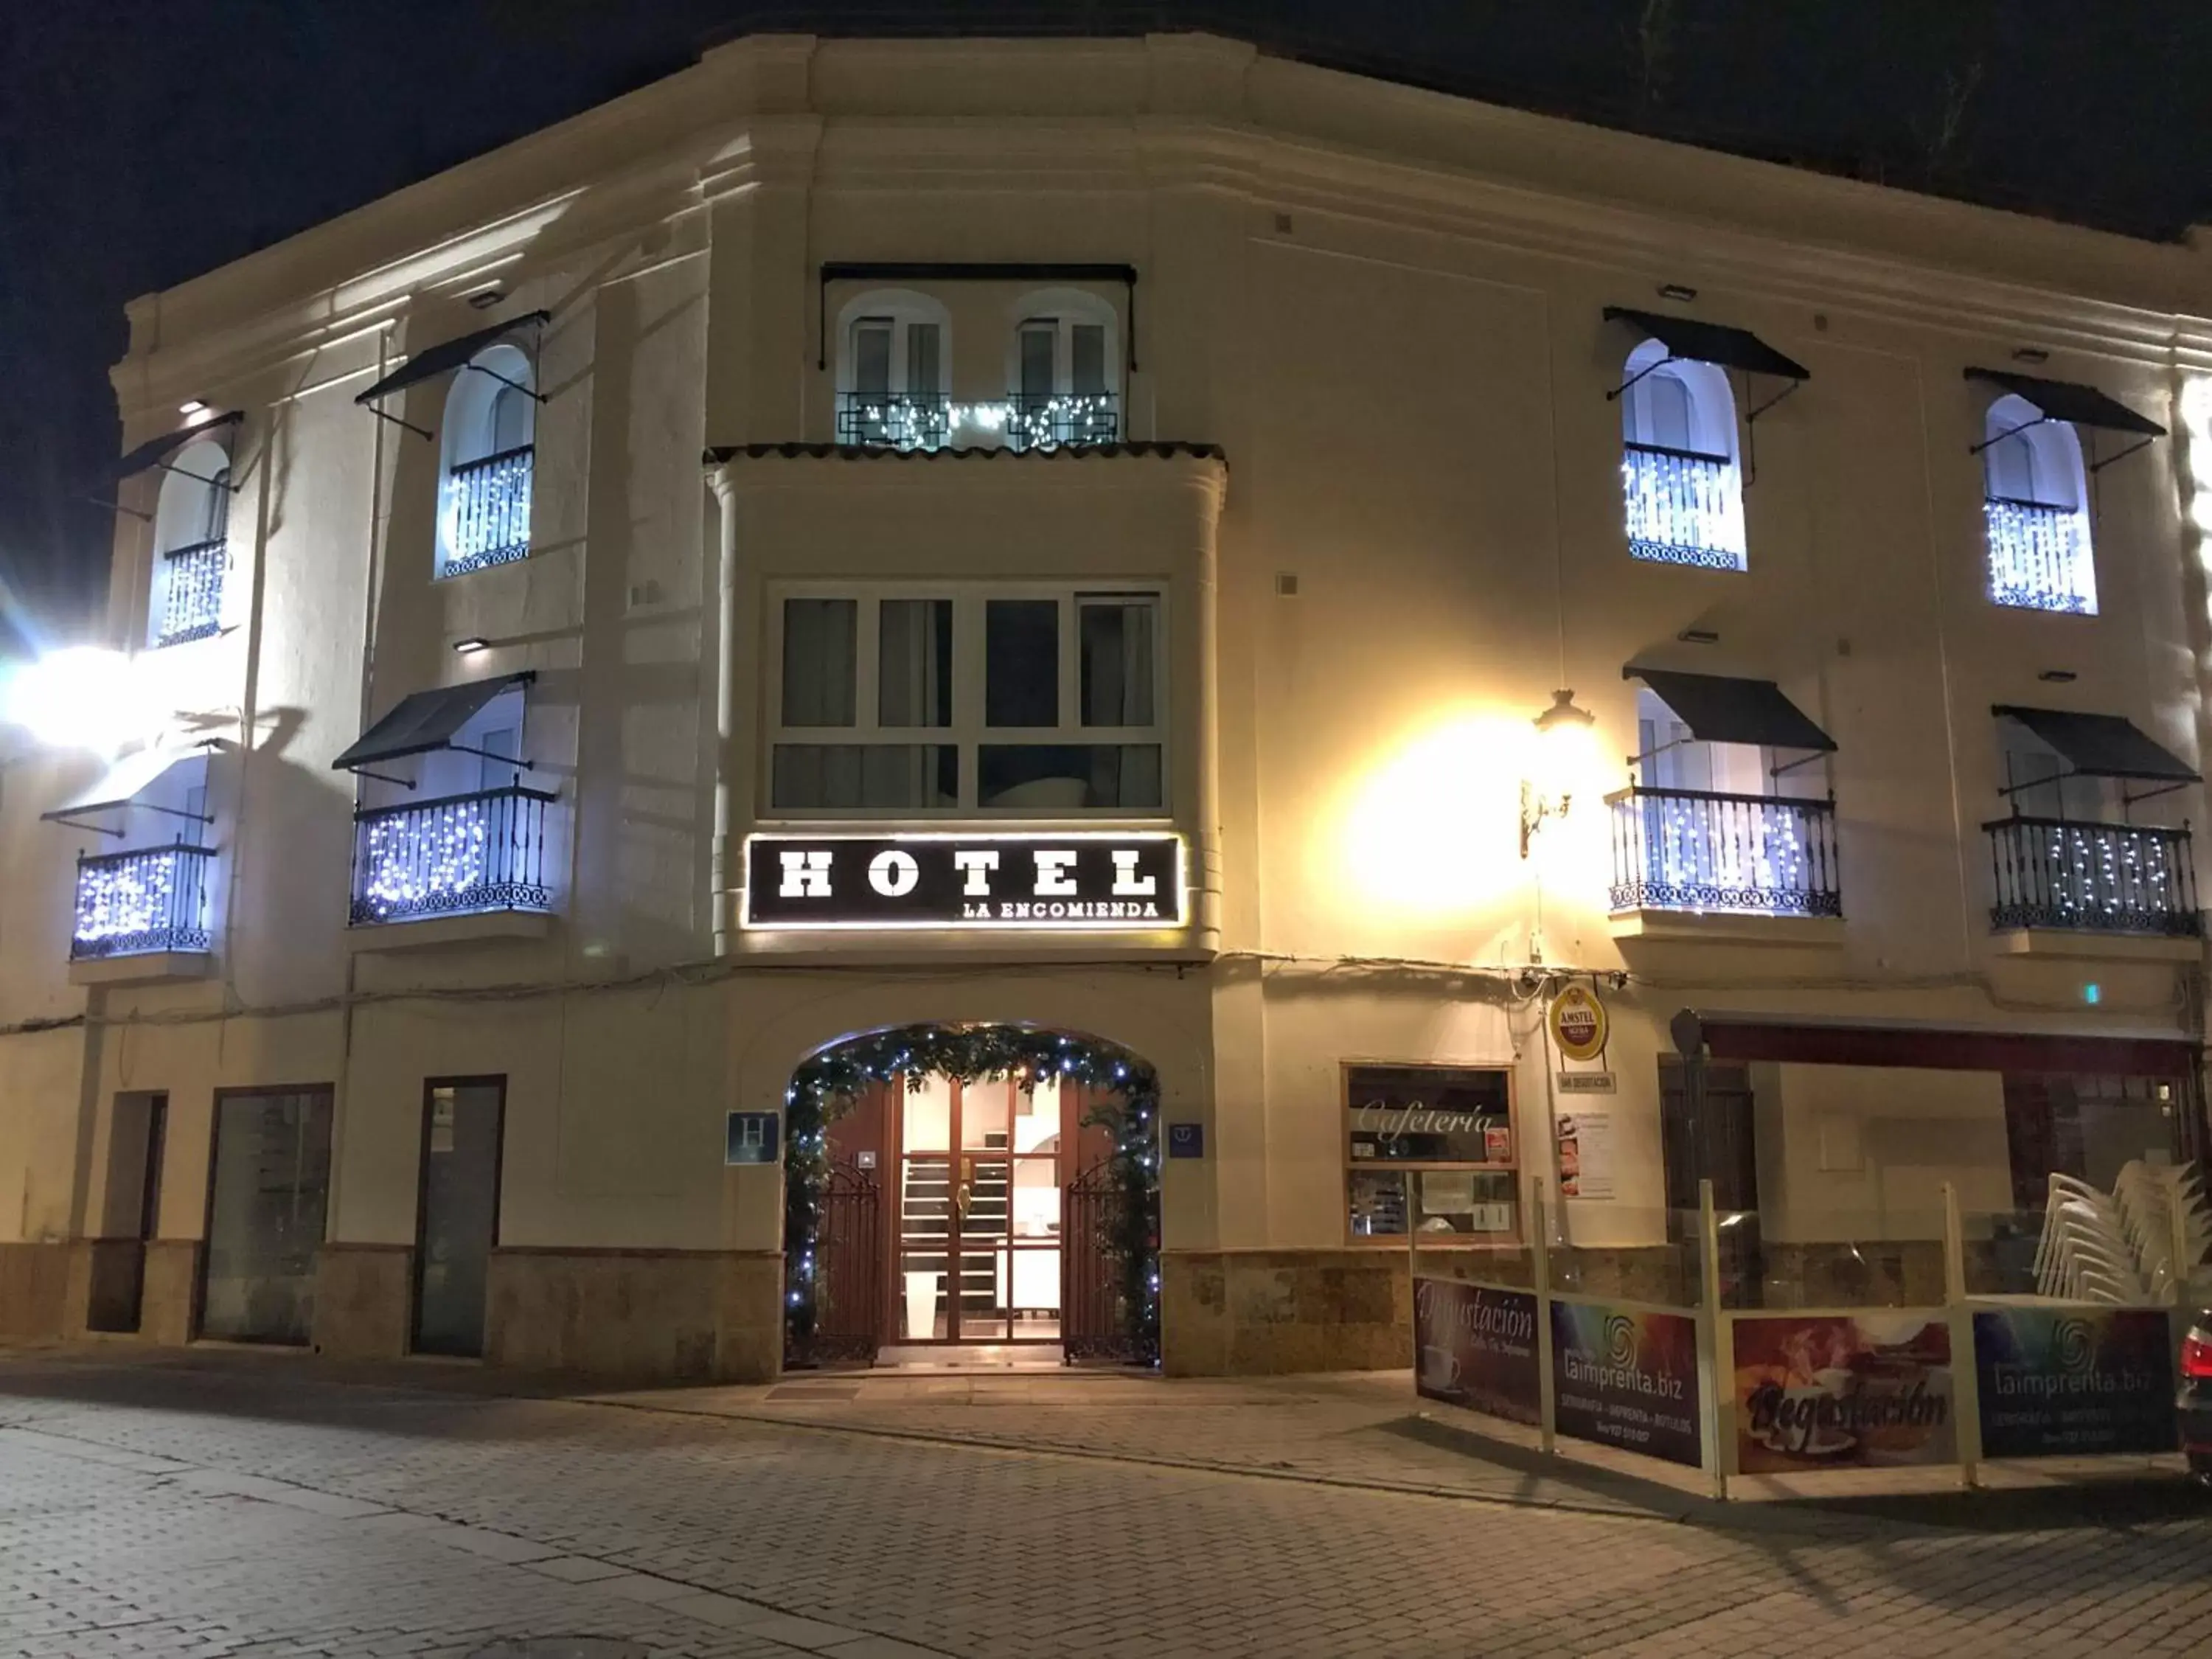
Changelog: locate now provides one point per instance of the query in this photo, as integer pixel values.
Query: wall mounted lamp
(1548, 794)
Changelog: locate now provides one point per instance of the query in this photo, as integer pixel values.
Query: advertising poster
(1846, 1391)
(1586, 1153)
(1476, 1347)
(2069, 1382)
(1627, 1379)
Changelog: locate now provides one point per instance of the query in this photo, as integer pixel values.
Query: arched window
(894, 357)
(190, 545)
(488, 445)
(1064, 378)
(2035, 509)
(1679, 473)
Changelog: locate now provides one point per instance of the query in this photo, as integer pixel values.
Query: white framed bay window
(1011, 700)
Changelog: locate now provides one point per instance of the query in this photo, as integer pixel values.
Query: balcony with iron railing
(1684, 506)
(1697, 850)
(893, 420)
(463, 855)
(2039, 557)
(192, 591)
(487, 512)
(141, 903)
(1035, 421)
(2092, 877)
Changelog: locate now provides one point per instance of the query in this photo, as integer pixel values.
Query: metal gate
(849, 1274)
(1098, 1317)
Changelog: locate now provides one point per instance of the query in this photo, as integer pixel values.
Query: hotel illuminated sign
(1074, 881)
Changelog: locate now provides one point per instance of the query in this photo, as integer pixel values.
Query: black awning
(2063, 400)
(451, 354)
(424, 721)
(1710, 343)
(155, 450)
(2100, 745)
(1718, 708)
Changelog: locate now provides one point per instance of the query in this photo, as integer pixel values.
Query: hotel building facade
(1456, 666)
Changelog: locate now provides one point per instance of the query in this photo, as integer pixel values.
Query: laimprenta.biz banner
(1827, 1391)
(1476, 1347)
(1075, 880)
(1627, 1379)
(2060, 1382)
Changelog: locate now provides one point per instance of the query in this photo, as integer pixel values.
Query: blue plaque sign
(1186, 1140)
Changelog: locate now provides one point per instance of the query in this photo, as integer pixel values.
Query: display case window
(1432, 1149)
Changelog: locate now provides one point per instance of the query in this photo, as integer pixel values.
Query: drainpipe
(724, 871)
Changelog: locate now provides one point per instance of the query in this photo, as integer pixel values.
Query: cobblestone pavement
(242, 1505)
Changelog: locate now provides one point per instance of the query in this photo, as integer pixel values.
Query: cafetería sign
(1089, 881)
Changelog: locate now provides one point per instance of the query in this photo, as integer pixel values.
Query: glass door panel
(269, 1187)
(459, 1219)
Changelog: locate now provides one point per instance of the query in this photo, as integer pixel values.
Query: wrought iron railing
(1694, 849)
(132, 904)
(893, 420)
(2039, 557)
(488, 512)
(192, 591)
(1041, 422)
(2102, 878)
(1684, 508)
(457, 856)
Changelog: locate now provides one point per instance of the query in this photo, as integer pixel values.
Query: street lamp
(1548, 791)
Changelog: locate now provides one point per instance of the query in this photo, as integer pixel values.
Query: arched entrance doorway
(948, 1185)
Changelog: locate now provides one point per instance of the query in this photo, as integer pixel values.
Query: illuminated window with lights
(1722, 817)
(961, 699)
(488, 446)
(2035, 512)
(1065, 372)
(144, 879)
(1679, 477)
(893, 359)
(1429, 1150)
(191, 545)
(448, 823)
(2074, 850)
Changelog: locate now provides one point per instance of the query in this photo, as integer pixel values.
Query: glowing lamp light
(80, 697)
(1562, 732)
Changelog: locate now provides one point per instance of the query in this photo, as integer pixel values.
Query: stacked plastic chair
(2085, 1254)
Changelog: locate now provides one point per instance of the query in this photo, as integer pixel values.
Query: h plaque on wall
(1091, 881)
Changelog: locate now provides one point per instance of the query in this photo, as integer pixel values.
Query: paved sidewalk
(224, 1505)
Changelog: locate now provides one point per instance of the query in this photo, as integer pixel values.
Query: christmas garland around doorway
(1125, 1102)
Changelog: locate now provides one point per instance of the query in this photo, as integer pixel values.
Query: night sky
(142, 144)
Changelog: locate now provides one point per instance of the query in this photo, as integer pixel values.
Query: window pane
(1663, 402)
(216, 519)
(1021, 667)
(817, 661)
(809, 777)
(1378, 1204)
(497, 774)
(1117, 661)
(510, 421)
(1421, 1115)
(913, 663)
(871, 356)
(1037, 342)
(1087, 342)
(1071, 777)
(271, 1179)
(921, 359)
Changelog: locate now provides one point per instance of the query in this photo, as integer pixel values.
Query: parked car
(2194, 1402)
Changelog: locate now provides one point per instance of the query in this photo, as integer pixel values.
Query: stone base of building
(35, 1291)
(637, 1315)
(1267, 1312)
(363, 1294)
